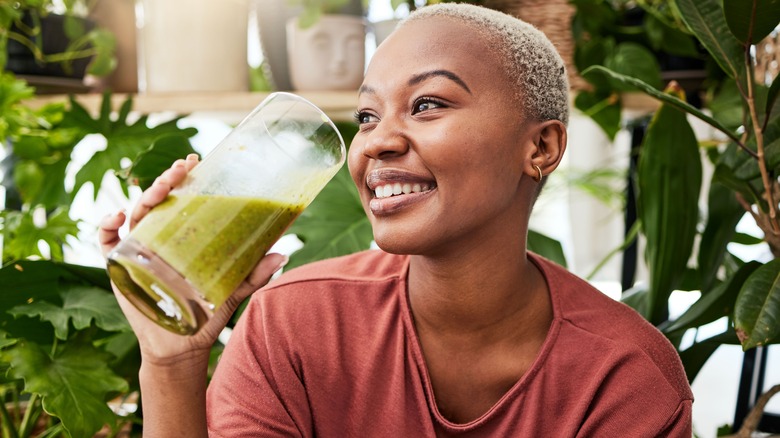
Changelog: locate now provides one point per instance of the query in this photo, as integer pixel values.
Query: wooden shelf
(339, 105)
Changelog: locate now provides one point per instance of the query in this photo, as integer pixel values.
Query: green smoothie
(214, 241)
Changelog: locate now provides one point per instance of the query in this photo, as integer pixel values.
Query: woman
(453, 328)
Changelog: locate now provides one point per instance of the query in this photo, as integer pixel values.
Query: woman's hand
(158, 345)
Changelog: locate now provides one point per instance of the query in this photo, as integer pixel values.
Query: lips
(395, 189)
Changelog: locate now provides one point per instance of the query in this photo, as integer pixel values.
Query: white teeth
(388, 190)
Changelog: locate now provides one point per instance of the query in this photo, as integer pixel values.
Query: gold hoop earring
(538, 169)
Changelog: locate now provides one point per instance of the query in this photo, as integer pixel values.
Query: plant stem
(760, 145)
(754, 417)
(30, 416)
(8, 425)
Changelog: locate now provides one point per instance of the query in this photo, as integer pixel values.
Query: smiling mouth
(395, 189)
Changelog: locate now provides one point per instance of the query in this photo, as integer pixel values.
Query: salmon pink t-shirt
(330, 350)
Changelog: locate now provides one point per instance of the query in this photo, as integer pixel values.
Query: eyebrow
(416, 79)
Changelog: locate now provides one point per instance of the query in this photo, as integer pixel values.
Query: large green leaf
(80, 304)
(723, 214)
(547, 247)
(123, 140)
(152, 162)
(694, 357)
(715, 303)
(632, 59)
(22, 235)
(751, 20)
(602, 109)
(706, 20)
(757, 310)
(665, 98)
(73, 383)
(669, 181)
(334, 224)
(31, 281)
(771, 98)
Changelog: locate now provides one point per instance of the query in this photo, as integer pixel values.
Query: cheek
(356, 162)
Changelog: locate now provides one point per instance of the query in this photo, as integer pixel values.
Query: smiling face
(442, 153)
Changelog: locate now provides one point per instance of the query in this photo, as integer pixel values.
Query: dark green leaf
(32, 281)
(637, 299)
(727, 106)
(334, 224)
(604, 110)
(74, 383)
(546, 247)
(705, 19)
(751, 20)
(724, 212)
(80, 304)
(123, 140)
(715, 303)
(746, 239)
(631, 59)
(22, 235)
(774, 91)
(663, 97)
(669, 181)
(757, 310)
(696, 356)
(152, 162)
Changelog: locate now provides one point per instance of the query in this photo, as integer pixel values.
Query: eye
(363, 117)
(425, 104)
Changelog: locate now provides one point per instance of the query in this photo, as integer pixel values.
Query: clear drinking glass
(191, 251)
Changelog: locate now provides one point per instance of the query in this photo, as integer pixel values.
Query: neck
(479, 293)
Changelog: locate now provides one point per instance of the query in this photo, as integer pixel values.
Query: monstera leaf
(74, 382)
(123, 140)
(80, 304)
(334, 224)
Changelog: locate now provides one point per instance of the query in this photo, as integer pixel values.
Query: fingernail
(283, 263)
(193, 157)
(178, 163)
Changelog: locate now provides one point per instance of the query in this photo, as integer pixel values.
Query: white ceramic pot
(330, 55)
(193, 45)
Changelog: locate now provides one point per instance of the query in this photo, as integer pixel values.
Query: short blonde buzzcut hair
(531, 61)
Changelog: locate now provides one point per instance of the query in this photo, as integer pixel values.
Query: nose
(386, 140)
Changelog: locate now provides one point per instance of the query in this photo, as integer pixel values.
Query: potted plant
(41, 42)
(683, 250)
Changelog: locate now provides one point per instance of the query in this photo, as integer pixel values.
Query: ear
(549, 140)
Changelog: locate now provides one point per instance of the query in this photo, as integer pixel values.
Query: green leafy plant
(688, 251)
(633, 38)
(65, 347)
(21, 22)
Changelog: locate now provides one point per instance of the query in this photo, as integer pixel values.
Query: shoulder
(364, 266)
(628, 342)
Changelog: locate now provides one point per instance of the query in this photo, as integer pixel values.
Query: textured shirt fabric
(330, 350)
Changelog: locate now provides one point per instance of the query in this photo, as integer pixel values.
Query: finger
(159, 190)
(191, 161)
(108, 231)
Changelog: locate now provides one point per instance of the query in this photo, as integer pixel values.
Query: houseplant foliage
(745, 181)
(20, 21)
(65, 347)
(633, 38)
